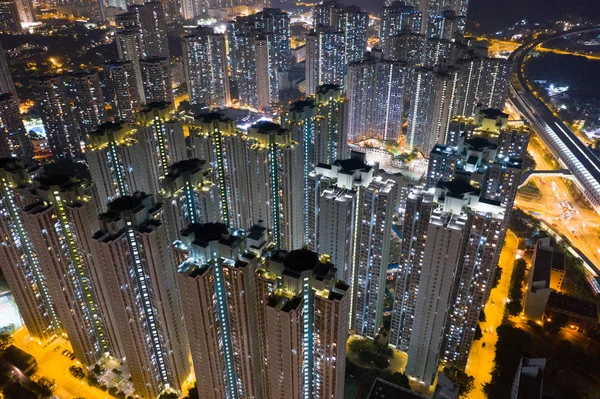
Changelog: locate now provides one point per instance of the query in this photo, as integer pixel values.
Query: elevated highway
(536, 172)
(564, 144)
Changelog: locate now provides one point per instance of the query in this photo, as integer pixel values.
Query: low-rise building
(546, 274)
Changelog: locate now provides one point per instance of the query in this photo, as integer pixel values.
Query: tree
(523, 224)
(528, 162)
(482, 316)
(113, 391)
(169, 395)
(554, 322)
(46, 386)
(92, 380)
(510, 347)
(465, 382)
(97, 369)
(399, 379)
(77, 372)
(497, 277)
(192, 393)
(5, 341)
(369, 352)
(17, 391)
(515, 293)
(478, 333)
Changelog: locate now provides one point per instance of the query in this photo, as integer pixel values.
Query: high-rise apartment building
(463, 215)
(305, 325)
(334, 198)
(242, 55)
(14, 142)
(442, 252)
(405, 46)
(216, 140)
(275, 181)
(188, 196)
(18, 259)
(130, 46)
(114, 156)
(419, 51)
(10, 21)
(87, 100)
(266, 81)
(474, 278)
(354, 23)
(6, 81)
(444, 274)
(375, 218)
(157, 80)
(397, 18)
(349, 212)
(60, 221)
(375, 89)
(122, 89)
(435, 98)
(327, 13)
(278, 321)
(154, 29)
(434, 11)
(205, 68)
(445, 25)
(259, 48)
(163, 136)
(132, 250)
(126, 158)
(325, 58)
(218, 288)
(486, 82)
(25, 10)
(419, 206)
(58, 119)
(193, 9)
(349, 20)
(276, 23)
(319, 125)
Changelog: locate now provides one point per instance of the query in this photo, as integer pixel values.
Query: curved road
(563, 143)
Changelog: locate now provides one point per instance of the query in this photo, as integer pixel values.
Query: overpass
(532, 173)
(571, 153)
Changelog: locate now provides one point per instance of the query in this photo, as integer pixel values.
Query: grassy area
(361, 371)
(576, 194)
(575, 282)
(531, 190)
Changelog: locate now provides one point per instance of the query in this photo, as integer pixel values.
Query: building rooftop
(192, 165)
(567, 303)
(256, 232)
(382, 389)
(531, 378)
(546, 259)
(352, 164)
(19, 358)
(11, 164)
(492, 113)
(479, 143)
(268, 127)
(127, 203)
(324, 88)
(300, 105)
(208, 117)
(204, 233)
(458, 187)
(301, 260)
